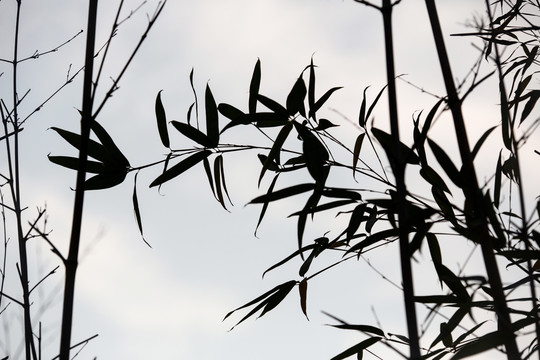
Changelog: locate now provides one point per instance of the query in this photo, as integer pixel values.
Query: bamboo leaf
(325, 124)
(105, 180)
(109, 144)
(391, 149)
(254, 87)
(295, 99)
(302, 289)
(136, 209)
(212, 124)
(357, 349)
(262, 297)
(73, 163)
(209, 176)
(265, 203)
(182, 166)
(161, 121)
(193, 134)
(372, 106)
(311, 91)
(283, 193)
(357, 216)
(323, 99)
(273, 156)
(481, 344)
(272, 105)
(290, 257)
(218, 167)
(481, 141)
(445, 162)
(362, 115)
(529, 106)
(433, 178)
(356, 152)
(196, 103)
(278, 297)
(95, 149)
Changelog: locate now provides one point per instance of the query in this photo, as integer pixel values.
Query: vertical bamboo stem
(476, 217)
(398, 166)
(86, 122)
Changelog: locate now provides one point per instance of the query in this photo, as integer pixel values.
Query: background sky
(168, 302)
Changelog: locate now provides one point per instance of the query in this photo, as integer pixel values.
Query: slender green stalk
(86, 122)
(476, 218)
(398, 166)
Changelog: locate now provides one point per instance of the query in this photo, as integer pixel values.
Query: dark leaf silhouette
(161, 121)
(182, 166)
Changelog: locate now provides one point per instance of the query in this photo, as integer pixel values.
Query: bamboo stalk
(477, 217)
(71, 262)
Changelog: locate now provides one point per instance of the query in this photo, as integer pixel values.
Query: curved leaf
(192, 133)
(109, 144)
(302, 289)
(273, 156)
(181, 167)
(272, 105)
(73, 163)
(105, 180)
(95, 149)
(212, 118)
(254, 87)
(283, 193)
(357, 349)
(322, 100)
(295, 99)
(161, 121)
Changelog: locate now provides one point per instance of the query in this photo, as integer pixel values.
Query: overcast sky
(168, 302)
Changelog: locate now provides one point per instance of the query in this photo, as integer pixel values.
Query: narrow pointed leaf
(390, 148)
(161, 121)
(108, 143)
(434, 179)
(95, 149)
(105, 180)
(262, 297)
(362, 115)
(192, 133)
(302, 289)
(272, 105)
(196, 103)
(372, 106)
(209, 176)
(481, 141)
(137, 211)
(212, 124)
(444, 160)
(356, 349)
(323, 99)
(265, 203)
(356, 152)
(295, 99)
(254, 87)
(290, 257)
(275, 299)
(311, 91)
(73, 163)
(273, 156)
(283, 193)
(529, 106)
(182, 166)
